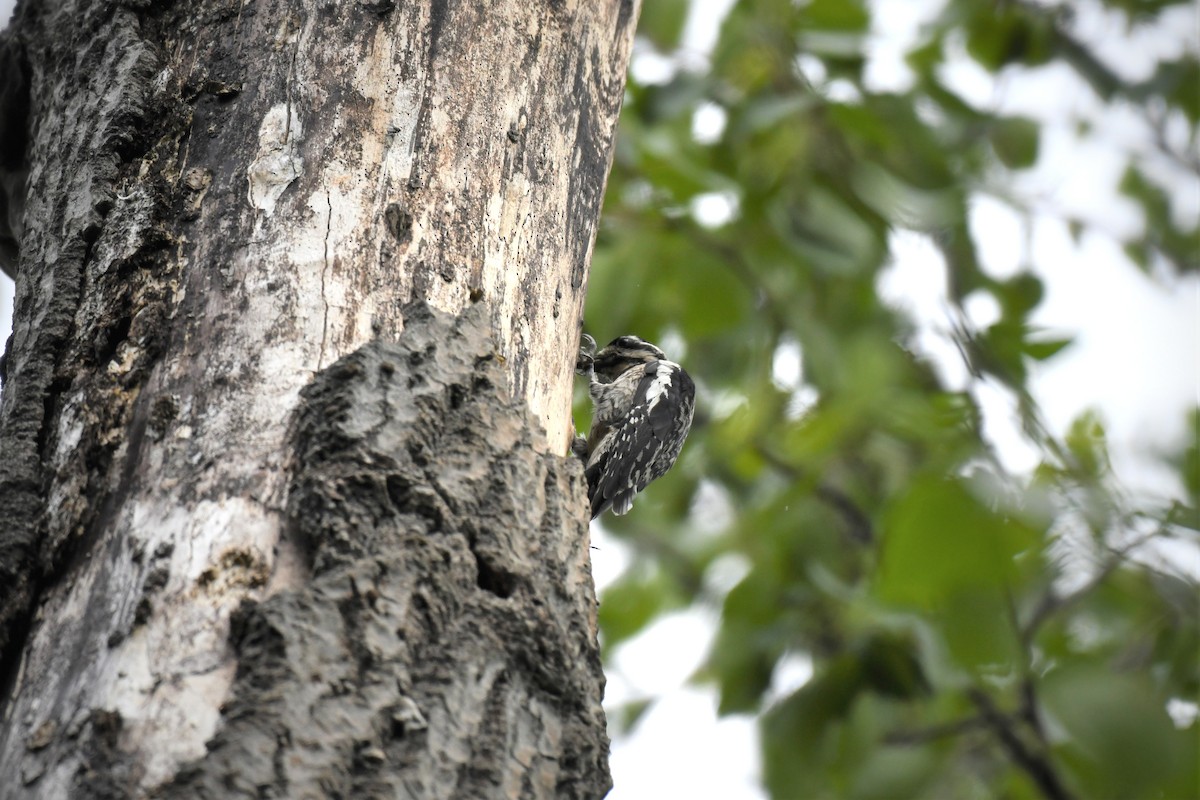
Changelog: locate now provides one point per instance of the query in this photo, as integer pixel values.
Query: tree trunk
(271, 525)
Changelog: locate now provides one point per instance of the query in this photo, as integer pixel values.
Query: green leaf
(828, 232)
(1005, 345)
(1122, 743)
(665, 275)
(1015, 141)
(825, 188)
(746, 650)
(769, 111)
(891, 667)
(662, 22)
(841, 15)
(1186, 461)
(1177, 81)
(977, 629)
(628, 605)
(1088, 444)
(1001, 35)
(796, 728)
(940, 541)
(1047, 348)
(1020, 294)
(1163, 237)
(672, 102)
(894, 772)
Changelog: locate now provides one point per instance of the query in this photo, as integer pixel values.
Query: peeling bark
(247, 546)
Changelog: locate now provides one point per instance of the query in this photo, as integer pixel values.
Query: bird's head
(623, 353)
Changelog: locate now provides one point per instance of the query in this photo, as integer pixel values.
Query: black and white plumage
(642, 408)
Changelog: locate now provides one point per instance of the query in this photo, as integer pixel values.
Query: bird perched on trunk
(641, 412)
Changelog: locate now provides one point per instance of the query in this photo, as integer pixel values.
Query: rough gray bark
(442, 644)
(229, 202)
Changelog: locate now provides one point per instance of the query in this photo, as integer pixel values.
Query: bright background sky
(1136, 357)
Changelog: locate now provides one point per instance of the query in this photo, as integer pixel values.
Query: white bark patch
(392, 122)
(170, 675)
(167, 675)
(278, 162)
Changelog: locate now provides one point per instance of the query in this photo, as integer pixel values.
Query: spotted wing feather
(644, 443)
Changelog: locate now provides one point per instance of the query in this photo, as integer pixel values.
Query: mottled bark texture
(224, 200)
(442, 644)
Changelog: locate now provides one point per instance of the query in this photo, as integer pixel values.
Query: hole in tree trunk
(496, 581)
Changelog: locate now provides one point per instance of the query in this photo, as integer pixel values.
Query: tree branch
(933, 733)
(1035, 765)
(1053, 602)
(857, 522)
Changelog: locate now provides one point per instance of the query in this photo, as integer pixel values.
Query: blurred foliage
(973, 633)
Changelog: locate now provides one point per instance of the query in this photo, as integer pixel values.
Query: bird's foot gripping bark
(586, 358)
(579, 448)
(584, 365)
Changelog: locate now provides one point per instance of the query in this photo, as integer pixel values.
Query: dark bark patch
(105, 772)
(157, 579)
(82, 303)
(382, 7)
(145, 608)
(106, 345)
(163, 411)
(221, 90)
(235, 568)
(399, 223)
(493, 579)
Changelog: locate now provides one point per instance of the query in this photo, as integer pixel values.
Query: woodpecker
(641, 412)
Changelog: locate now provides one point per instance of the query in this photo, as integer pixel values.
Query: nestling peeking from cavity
(641, 412)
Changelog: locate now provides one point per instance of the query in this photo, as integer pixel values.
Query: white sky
(1136, 358)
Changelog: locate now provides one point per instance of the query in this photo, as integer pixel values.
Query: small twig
(1035, 765)
(1029, 712)
(732, 258)
(857, 521)
(1156, 121)
(1052, 602)
(934, 732)
(859, 526)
